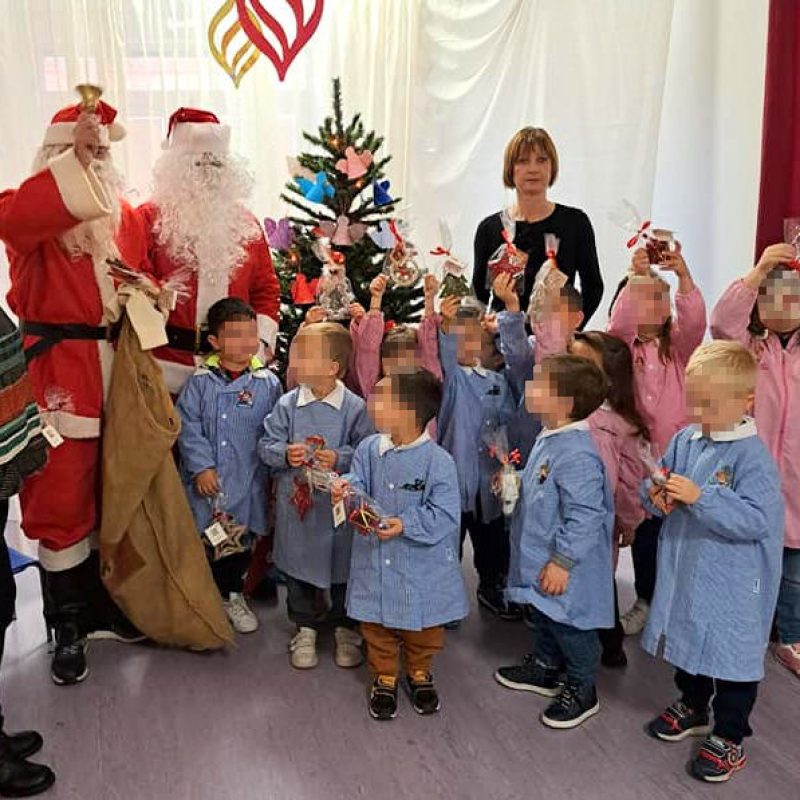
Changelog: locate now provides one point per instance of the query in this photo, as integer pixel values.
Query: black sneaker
(113, 625)
(452, 626)
(423, 694)
(531, 676)
(717, 760)
(679, 721)
(21, 745)
(383, 698)
(69, 660)
(20, 778)
(576, 703)
(493, 598)
(529, 617)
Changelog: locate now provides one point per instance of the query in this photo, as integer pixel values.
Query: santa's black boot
(66, 612)
(105, 619)
(21, 778)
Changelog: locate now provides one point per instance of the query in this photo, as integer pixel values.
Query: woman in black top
(531, 168)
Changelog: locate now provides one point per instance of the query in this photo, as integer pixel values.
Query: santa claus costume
(59, 227)
(203, 238)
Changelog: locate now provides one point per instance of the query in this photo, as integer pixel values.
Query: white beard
(202, 221)
(96, 237)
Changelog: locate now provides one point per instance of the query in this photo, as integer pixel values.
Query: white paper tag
(339, 514)
(215, 534)
(169, 299)
(54, 438)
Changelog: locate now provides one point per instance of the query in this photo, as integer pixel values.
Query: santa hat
(62, 127)
(194, 131)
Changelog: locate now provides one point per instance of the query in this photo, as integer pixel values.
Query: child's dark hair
(618, 367)
(664, 332)
(418, 390)
(229, 309)
(573, 297)
(579, 379)
(397, 340)
(756, 326)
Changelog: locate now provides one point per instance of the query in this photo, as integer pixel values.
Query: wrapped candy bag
(657, 241)
(506, 481)
(334, 291)
(791, 235)
(311, 477)
(362, 511)
(400, 264)
(224, 534)
(508, 258)
(549, 279)
(658, 474)
(454, 284)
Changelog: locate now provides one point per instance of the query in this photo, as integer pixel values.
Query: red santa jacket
(253, 281)
(47, 286)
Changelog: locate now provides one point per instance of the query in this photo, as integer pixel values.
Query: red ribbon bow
(388, 325)
(632, 242)
(513, 457)
(440, 251)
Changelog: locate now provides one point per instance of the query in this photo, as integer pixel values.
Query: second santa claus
(203, 238)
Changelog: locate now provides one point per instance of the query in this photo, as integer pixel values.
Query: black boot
(21, 745)
(21, 778)
(104, 619)
(66, 611)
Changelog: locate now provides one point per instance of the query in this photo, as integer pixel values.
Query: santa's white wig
(203, 222)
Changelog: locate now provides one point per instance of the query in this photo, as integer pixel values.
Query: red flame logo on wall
(237, 35)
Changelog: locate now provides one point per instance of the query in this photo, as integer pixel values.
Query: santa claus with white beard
(59, 227)
(203, 237)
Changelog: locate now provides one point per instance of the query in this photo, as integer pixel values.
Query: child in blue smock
(222, 408)
(321, 420)
(476, 404)
(719, 560)
(405, 579)
(561, 560)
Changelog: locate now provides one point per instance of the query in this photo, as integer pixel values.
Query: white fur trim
(176, 375)
(80, 189)
(62, 560)
(64, 133)
(72, 426)
(267, 330)
(199, 137)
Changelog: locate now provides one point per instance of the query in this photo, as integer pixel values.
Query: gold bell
(90, 94)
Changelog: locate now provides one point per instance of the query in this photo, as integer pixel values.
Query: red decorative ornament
(247, 9)
(364, 519)
(301, 497)
(304, 291)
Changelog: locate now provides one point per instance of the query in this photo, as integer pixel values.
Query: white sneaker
(348, 648)
(633, 621)
(303, 648)
(239, 613)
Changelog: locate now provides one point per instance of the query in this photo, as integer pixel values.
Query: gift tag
(169, 299)
(339, 514)
(54, 438)
(215, 534)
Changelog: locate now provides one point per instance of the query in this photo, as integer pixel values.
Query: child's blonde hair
(335, 342)
(725, 362)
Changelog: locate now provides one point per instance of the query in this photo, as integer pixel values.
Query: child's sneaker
(576, 703)
(383, 697)
(493, 598)
(679, 721)
(717, 760)
(349, 651)
(423, 694)
(303, 648)
(531, 676)
(789, 656)
(633, 621)
(239, 613)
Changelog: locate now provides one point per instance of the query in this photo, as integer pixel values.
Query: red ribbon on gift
(513, 457)
(388, 325)
(633, 241)
(440, 251)
(397, 237)
(794, 264)
(510, 246)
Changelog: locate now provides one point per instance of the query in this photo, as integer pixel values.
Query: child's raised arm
(447, 341)
(622, 322)
(689, 324)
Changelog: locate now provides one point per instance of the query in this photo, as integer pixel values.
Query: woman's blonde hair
(725, 362)
(524, 141)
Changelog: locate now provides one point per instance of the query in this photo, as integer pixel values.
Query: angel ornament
(454, 282)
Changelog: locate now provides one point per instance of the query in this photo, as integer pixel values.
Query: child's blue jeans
(788, 612)
(566, 648)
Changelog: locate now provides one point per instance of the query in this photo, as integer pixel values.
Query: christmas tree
(340, 197)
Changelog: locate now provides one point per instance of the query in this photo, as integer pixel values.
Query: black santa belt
(189, 340)
(50, 334)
